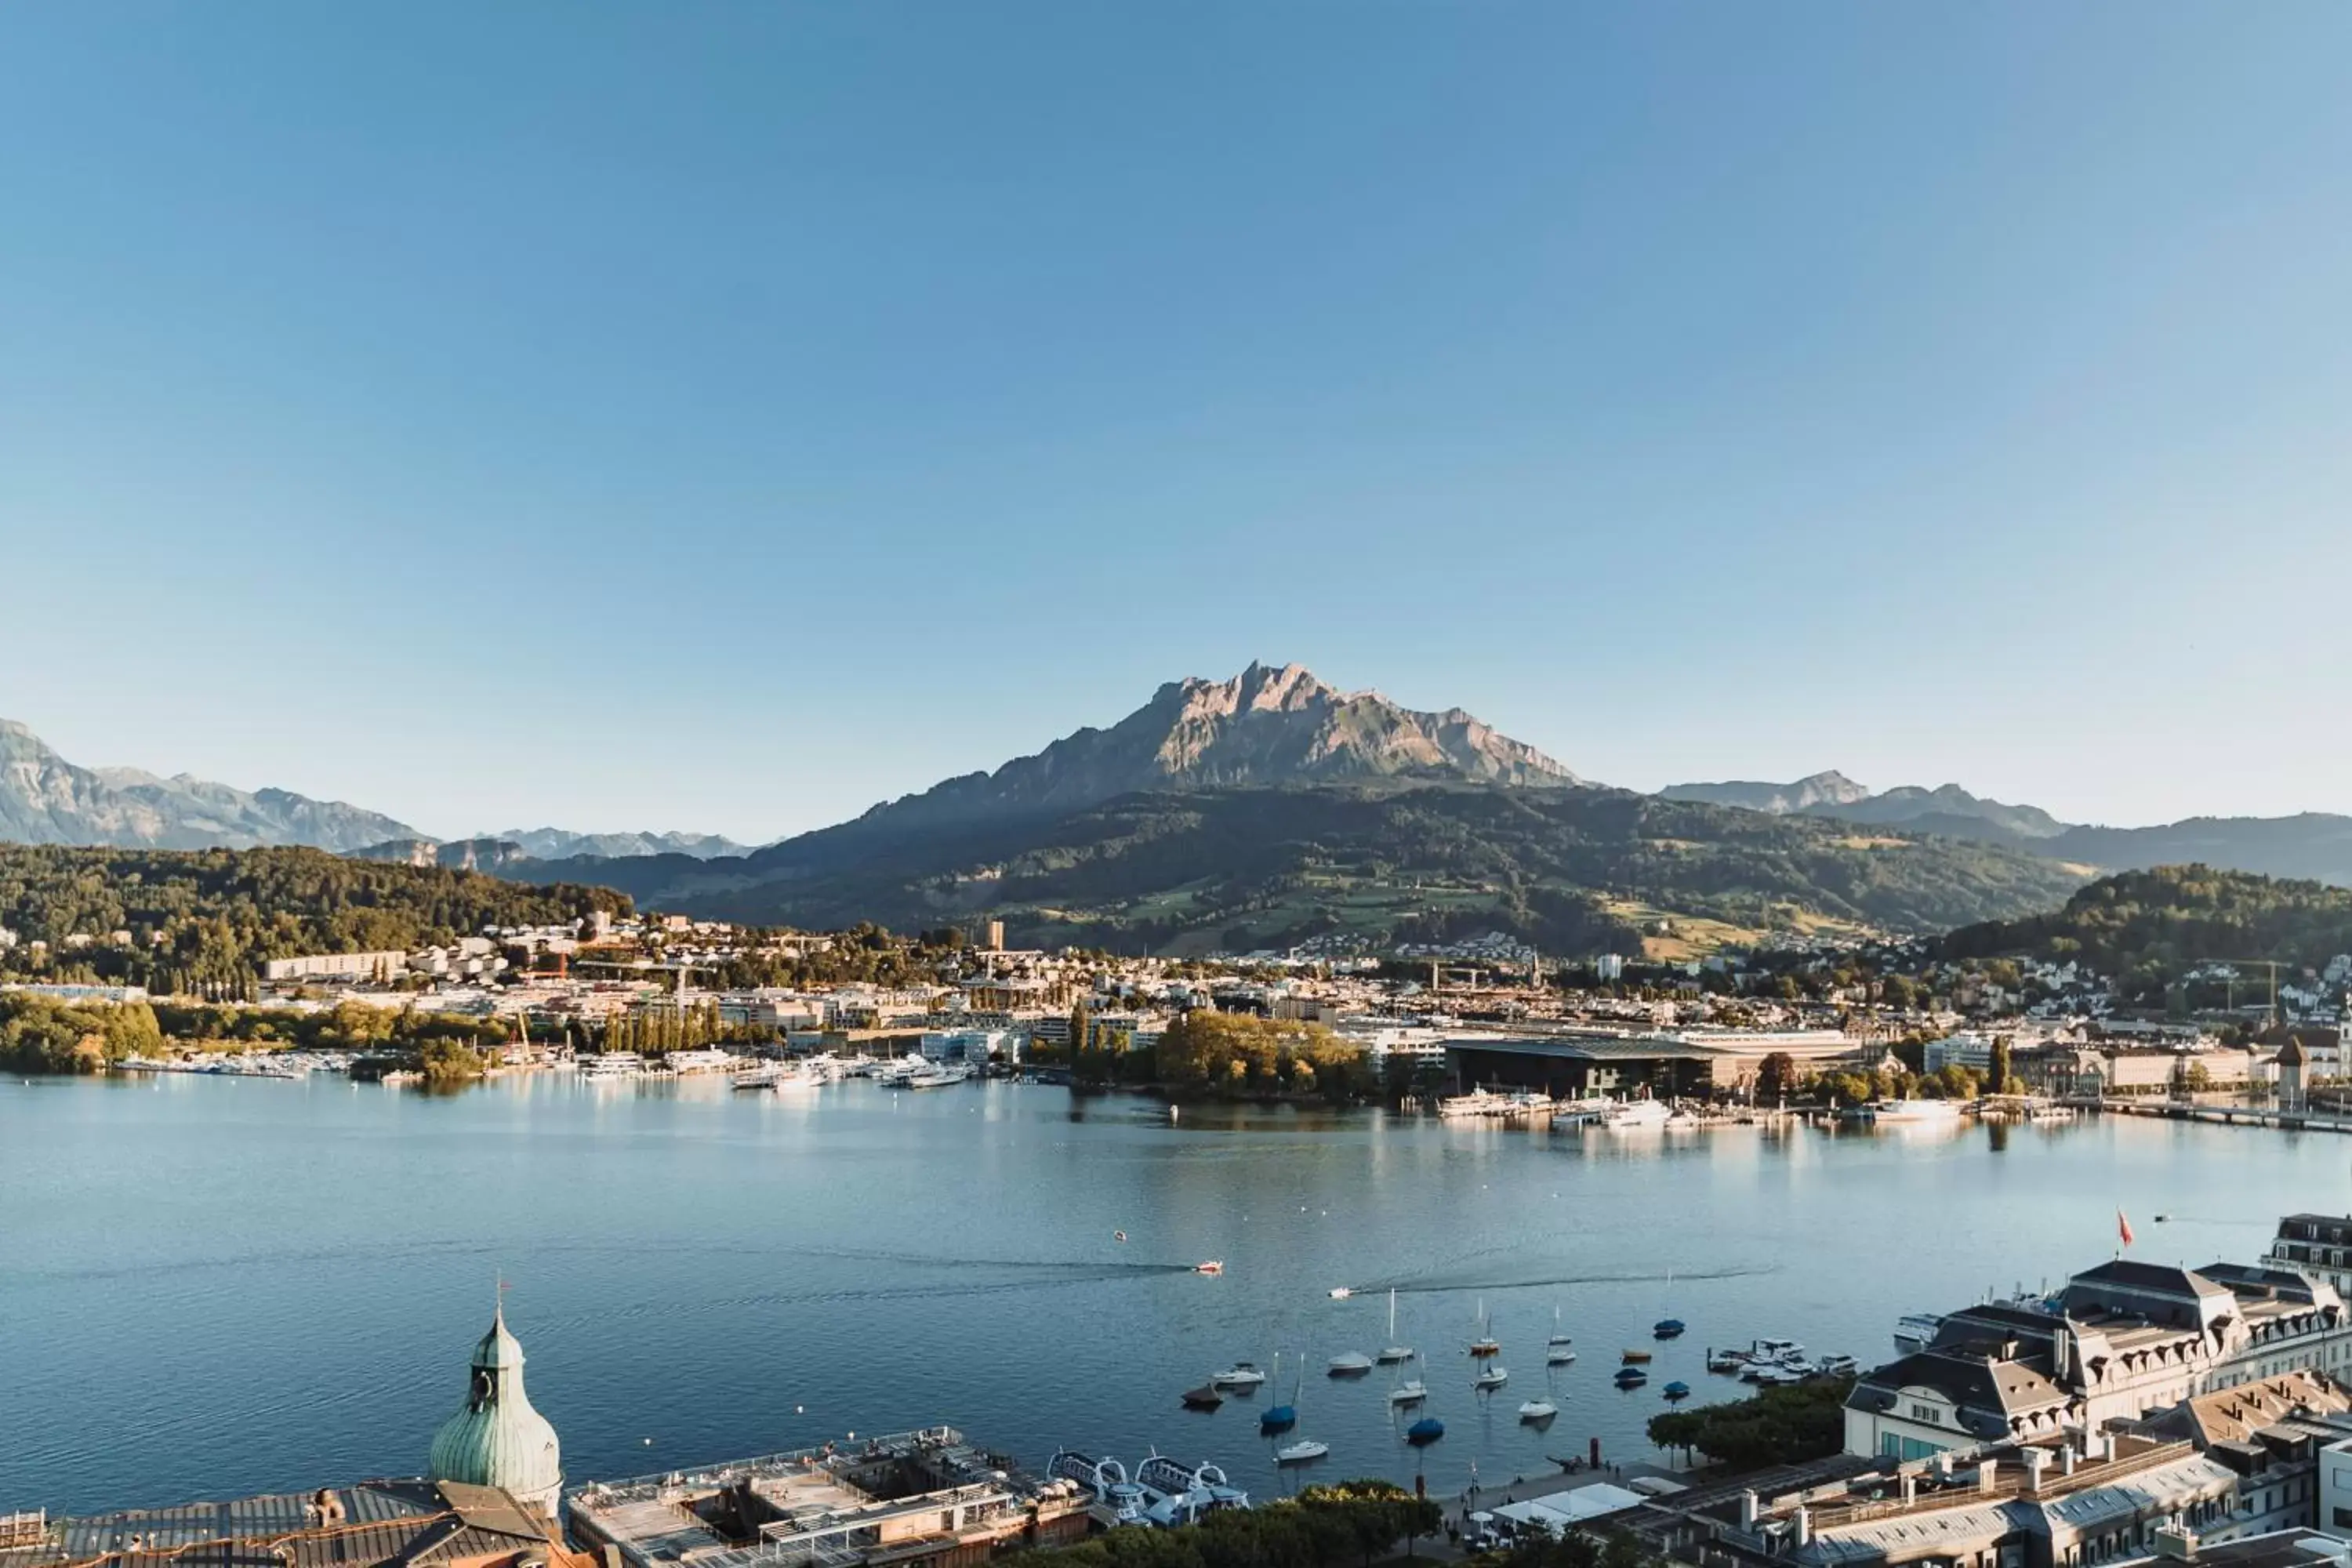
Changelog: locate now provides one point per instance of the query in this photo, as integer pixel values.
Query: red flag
(2123, 1228)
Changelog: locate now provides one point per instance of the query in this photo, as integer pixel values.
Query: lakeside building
(2319, 1244)
(2065, 1503)
(374, 1524)
(382, 965)
(2118, 1341)
(1572, 1063)
(911, 1500)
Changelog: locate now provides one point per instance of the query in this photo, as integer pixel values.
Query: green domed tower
(497, 1440)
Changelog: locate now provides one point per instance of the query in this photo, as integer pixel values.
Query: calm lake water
(212, 1287)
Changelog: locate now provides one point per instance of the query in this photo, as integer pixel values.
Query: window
(1928, 1413)
(2344, 1519)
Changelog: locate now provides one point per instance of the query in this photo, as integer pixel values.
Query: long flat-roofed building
(1570, 1063)
(911, 1498)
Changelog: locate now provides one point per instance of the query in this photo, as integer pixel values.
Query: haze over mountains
(1270, 804)
(45, 799)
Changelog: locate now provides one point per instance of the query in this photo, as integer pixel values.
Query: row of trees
(1239, 1055)
(40, 1033)
(1347, 1523)
(1777, 1426)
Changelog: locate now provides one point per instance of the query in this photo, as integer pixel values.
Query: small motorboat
(1341, 1292)
(1667, 1329)
(1355, 1363)
(1676, 1390)
(1724, 1361)
(1213, 1266)
(1204, 1397)
(1412, 1390)
(1241, 1375)
(1426, 1430)
(1634, 1358)
(1631, 1378)
(1490, 1379)
(1301, 1452)
(1537, 1410)
(1558, 1354)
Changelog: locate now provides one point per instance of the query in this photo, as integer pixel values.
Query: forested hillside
(2150, 925)
(206, 916)
(1570, 869)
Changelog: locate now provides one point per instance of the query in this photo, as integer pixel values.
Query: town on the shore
(1486, 1026)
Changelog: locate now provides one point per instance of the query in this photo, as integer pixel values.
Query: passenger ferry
(1921, 1112)
(1636, 1116)
(609, 1066)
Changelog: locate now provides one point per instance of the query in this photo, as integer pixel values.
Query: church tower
(497, 1440)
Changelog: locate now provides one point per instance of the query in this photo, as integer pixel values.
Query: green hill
(218, 912)
(1388, 861)
(2157, 923)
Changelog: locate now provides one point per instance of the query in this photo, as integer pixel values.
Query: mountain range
(45, 799)
(1270, 806)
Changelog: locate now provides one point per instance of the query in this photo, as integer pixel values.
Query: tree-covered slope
(1561, 867)
(218, 912)
(2160, 921)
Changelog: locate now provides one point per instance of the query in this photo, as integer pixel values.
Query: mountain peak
(1269, 725)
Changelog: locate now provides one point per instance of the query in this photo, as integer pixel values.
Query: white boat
(1767, 1353)
(1837, 1366)
(1559, 1350)
(1636, 1116)
(1350, 1363)
(1726, 1360)
(1914, 1331)
(610, 1066)
(1412, 1390)
(798, 1078)
(1915, 1112)
(1241, 1375)
(760, 1077)
(703, 1060)
(1300, 1452)
(1537, 1410)
(1394, 1352)
(938, 1075)
(1489, 1379)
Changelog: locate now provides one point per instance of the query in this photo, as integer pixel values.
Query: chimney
(2174, 1545)
(2036, 1461)
(1748, 1511)
(1804, 1528)
(1910, 1490)
(1988, 1474)
(2066, 1456)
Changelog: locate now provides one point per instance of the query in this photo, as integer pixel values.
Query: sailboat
(1490, 1377)
(1304, 1449)
(1395, 1352)
(1278, 1417)
(1667, 1327)
(1412, 1390)
(1542, 1408)
(1485, 1344)
(1559, 1350)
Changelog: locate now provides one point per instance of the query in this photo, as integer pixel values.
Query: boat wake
(1426, 1285)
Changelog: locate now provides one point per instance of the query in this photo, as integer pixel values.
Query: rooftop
(373, 1524)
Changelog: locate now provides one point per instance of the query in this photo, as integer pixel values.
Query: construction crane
(2270, 964)
(644, 965)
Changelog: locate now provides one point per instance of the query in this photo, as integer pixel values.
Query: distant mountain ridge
(45, 799)
(1830, 788)
(559, 843)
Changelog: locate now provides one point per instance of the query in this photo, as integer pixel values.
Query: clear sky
(723, 416)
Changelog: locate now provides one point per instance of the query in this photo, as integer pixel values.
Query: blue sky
(725, 415)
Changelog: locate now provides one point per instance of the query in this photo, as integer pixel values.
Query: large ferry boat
(1930, 1112)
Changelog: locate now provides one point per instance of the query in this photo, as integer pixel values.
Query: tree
(1997, 1074)
(1776, 1078)
(1777, 1426)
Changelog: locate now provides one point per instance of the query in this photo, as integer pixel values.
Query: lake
(211, 1286)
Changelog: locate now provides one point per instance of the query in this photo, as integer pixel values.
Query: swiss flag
(2123, 1228)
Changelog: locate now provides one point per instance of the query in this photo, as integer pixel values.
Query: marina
(713, 1273)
